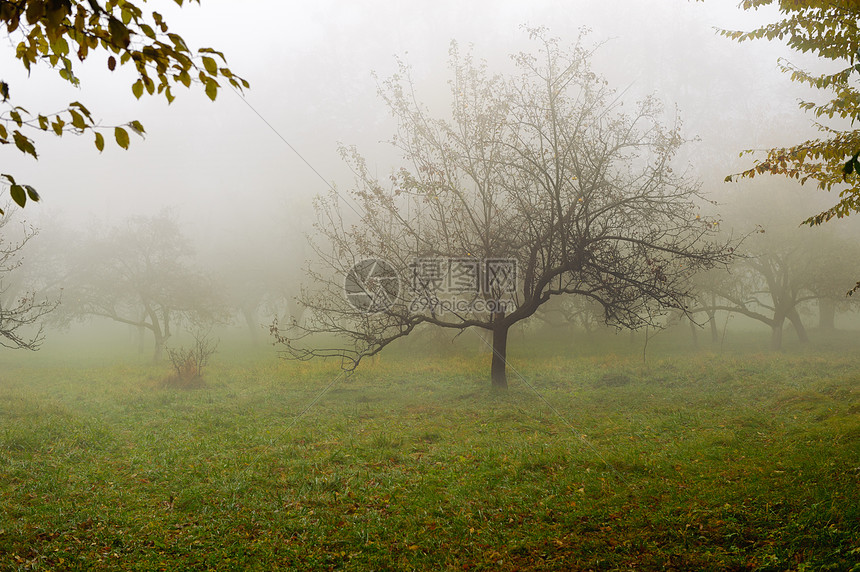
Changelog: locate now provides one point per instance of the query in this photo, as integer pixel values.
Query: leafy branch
(58, 32)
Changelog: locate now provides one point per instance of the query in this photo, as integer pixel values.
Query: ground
(706, 460)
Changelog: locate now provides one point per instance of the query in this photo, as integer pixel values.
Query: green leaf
(159, 21)
(210, 65)
(55, 14)
(77, 120)
(35, 10)
(60, 46)
(137, 89)
(211, 51)
(100, 141)
(31, 192)
(119, 34)
(82, 109)
(212, 89)
(23, 143)
(178, 42)
(121, 136)
(19, 195)
(137, 127)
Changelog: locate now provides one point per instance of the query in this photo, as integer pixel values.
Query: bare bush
(188, 363)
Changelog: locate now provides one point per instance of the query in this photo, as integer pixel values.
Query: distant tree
(542, 167)
(770, 286)
(779, 272)
(257, 267)
(570, 312)
(140, 274)
(62, 33)
(835, 268)
(259, 288)
(707, 285)
(21, 309)
(828, 29)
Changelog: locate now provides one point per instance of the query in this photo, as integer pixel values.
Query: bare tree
(836, 262)
(541, 167)
(141, 274)
(780, 272)
(769, 287)
(21, 309)
(570, 312)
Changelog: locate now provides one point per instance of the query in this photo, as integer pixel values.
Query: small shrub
(188, 363)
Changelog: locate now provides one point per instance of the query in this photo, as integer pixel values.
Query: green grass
(689, 462)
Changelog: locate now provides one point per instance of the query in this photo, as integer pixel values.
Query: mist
(239, 175)
(208, 359)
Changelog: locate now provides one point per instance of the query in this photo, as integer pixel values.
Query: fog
(310, 70)
(238, 176)
(390, 309)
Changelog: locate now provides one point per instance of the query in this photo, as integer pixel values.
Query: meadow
(595, 459)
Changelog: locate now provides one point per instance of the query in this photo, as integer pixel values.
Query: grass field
(689, 461)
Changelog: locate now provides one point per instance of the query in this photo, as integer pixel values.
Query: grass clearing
(690, 462)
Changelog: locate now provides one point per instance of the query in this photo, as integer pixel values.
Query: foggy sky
(222, 169)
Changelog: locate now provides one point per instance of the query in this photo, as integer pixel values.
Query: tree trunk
(694, 333)
(586, 324)
(157, 333)
(250, 314)
(795, 320)
(826, 315)
(776, 332)
(776, 337)
(166, 313)
(159, 350)
(159, 345)
(715, 331)
(500, 349)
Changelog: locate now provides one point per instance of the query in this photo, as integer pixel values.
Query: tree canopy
(829, 30)
(63, 33)
(141, 274)
(539, 184)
